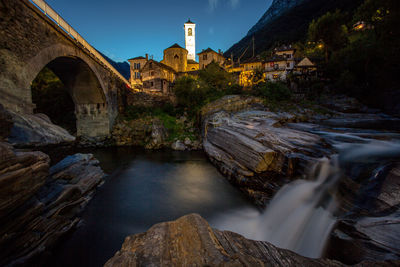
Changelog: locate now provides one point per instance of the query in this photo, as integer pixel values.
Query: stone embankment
(39, 203)
(152, 134)
(190, 241)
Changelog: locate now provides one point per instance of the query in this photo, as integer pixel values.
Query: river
(142, 189)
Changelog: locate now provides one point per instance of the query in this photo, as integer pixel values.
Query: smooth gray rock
(36, 130)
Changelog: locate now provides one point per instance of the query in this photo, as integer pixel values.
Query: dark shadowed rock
(38, 204)
(5, 123)
(190, 241)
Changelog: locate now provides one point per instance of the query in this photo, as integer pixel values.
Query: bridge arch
(83, 83)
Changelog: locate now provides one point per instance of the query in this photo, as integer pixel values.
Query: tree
(329, 30)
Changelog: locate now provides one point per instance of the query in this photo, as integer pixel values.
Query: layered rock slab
(253, 149)
(190, 241)
(38, 204)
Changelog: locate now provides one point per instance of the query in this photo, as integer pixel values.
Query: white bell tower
(190, 39)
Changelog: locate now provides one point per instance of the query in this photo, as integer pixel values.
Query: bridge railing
(51, 13)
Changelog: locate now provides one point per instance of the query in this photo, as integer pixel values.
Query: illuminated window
(276, 76)
(190, 32)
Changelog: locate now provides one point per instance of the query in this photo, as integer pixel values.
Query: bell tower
(190, 39)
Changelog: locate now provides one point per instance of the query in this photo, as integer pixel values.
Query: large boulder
(38, 204)
(252, 148)
(370, 230)
(159, 135)
(190, 241)
(31, 130)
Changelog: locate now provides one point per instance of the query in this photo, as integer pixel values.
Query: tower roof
(189, 22)
(175, 46)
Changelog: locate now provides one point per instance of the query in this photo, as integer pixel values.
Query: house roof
(191, 61)
(189, 22)
(284, 48)
(252, 60)
(208, 50)
(305, 62)
(137, 58)
(276, 58)
(175, 46)
(161, 65)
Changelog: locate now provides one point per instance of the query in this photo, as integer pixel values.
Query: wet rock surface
(30, 130)
(259, 151)
(252, 149)
(38, 204)
(190, 241)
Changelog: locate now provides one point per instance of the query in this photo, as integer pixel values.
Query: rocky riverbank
(190, 241)
(259, 151)
(152, 133)
(39, 203)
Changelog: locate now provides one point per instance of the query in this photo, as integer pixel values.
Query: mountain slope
(122, 67)
(277, 8)
(286, 21)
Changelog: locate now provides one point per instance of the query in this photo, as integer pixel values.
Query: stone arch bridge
(33, 36)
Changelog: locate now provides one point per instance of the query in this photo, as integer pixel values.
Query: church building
(157, 77)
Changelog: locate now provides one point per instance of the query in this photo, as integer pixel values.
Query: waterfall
(300, 215)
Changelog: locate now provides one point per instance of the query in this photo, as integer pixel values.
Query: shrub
(273, 91)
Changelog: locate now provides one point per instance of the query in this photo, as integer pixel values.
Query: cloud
(235, 3)
(213, 4)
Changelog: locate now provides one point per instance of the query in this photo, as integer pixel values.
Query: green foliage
(167, 114)
(273, 91)
(212, 83)
(52, 99)
(329, 30)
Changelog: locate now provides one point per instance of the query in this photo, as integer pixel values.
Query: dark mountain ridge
(286, 21)
(122, 67)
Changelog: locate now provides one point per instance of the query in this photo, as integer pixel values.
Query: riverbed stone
(30, 130)
(190, 241)
(39, 204)
(254, 147)
(178, 145)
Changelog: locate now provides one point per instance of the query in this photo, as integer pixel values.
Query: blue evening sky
(123, 29)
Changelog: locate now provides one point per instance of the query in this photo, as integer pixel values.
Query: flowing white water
(299, 217)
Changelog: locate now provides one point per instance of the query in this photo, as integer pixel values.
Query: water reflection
(145, 188)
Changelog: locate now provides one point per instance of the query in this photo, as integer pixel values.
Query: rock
(344, 104)
(36, 130)
(230, 103)
(21, 176)
(159, 135)
(371, 229)
(190, 241)
(253, 147)
(39, 204)
(5, 123)
(187, 141)
(178, 145)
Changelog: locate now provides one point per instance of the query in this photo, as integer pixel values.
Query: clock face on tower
(190, 32)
